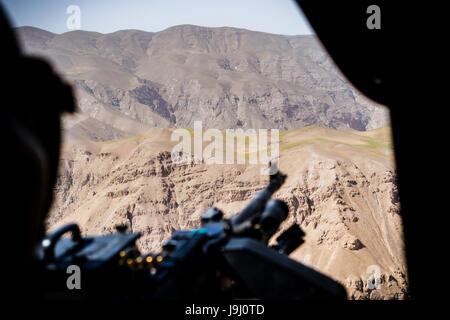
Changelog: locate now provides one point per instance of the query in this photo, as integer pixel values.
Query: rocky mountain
(130, 81)
(341, 189)
(133, 88)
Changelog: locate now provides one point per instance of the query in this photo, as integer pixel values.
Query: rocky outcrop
(225, 77)
(341, 193)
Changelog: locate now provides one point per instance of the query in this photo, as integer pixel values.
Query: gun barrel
(258, 203)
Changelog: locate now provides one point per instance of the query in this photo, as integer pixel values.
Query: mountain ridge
(175, 26)
(226, 77)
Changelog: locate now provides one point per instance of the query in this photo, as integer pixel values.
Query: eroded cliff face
(130, 81)
(341, 190)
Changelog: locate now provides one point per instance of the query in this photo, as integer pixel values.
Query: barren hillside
(134, 87)
(340, 188)
(130, 81)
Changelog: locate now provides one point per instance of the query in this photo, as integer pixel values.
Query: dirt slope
(340, 188)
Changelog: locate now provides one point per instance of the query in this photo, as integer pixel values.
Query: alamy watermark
(374, 20)
(374, 280)
(73, 22)
(74, 280)
(213, 146)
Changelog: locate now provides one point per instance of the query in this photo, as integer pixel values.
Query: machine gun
(224, 259)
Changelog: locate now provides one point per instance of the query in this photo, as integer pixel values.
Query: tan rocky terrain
(130, 81)
(340, 188)
(134, 87)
